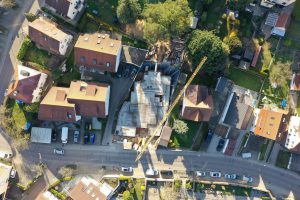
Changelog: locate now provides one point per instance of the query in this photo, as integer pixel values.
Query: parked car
(220, 145)
(246, 155)
(127, 169)
(92, 138)
(215, 174)
(152, 172)
(248, 179)
(54, 135)
(87, 126)
(230, 176)
(59, 151)
(13, 173)
(200, 173)
(76, 136)
(167, 174)
(5, 154)
(86, 138)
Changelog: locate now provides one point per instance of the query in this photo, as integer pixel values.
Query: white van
(64, 135)
(246, 155)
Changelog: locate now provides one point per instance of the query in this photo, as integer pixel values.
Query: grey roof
(222, 84)
(248, 54)
(133, 55)
(238, 114)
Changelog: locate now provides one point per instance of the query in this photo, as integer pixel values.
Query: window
(95, 61)
(82, 58)
(108, 64)
(69, 116)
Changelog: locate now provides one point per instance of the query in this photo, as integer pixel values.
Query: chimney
(98, 42)
(86, 39)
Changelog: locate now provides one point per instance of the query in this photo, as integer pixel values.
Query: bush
(124, 178)
(25, 46)
(204, 17)
(32, 108)
(30, 17)
(177, 185)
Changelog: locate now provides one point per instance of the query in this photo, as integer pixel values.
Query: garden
(283, 159)
(132, 188)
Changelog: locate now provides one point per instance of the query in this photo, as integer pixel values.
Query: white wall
(72, 12)
(63, 45)
(118, 58)
(107, 101)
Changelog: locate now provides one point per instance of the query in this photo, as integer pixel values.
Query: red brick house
(98, 52)
(66, 8)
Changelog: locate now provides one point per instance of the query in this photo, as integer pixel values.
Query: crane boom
(162, 121)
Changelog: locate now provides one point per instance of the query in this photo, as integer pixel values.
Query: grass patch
(106, 9)
(266, 58)
(38, 56)
(139, 188)
(275, 94)
(263, 150)
(225, 189)
(244, 140)
(134, 42)
(247, 79)
(283, 159)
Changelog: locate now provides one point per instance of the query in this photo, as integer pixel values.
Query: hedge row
(25, 46)
(58, 194)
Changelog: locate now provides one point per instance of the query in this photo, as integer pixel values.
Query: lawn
(106, 9)
(225, 189)
(38, 56)
(275, 94)
(283, 159)
(182, 140)
(296, 12)
(248, 79)
(134, 42)
(263, 150)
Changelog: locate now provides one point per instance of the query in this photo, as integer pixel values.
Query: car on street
(87, 126)
(200, 174)
(230, 176)
(248, 179)
(215, 174)
(59, 151)
(92, 138)
(220, 145)
(13, 173)
(127, 169)
(76, 137)
(86, 138)
(151, 172)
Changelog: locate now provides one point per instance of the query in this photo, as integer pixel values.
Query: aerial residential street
(280, 182)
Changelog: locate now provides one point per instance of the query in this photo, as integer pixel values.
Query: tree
(180, 126)
(166, 20)
(8, 4)
(280, 73)
(128, 11)
(206, 43)
(234, 44)
(66, 171)
(237, 4)
(32, 108)
(127, 195)
(30, 17)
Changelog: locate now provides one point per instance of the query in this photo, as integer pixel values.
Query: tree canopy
(280, 73)
(180, 126)
(128, 11)
(237, 4)
(234, 44)
(206, 43)
(166, 20)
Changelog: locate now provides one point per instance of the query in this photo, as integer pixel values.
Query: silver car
(59, 151)
(200, 174)
(230, 176)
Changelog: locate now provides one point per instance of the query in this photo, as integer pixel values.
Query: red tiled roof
(283, 20)
(256, 56)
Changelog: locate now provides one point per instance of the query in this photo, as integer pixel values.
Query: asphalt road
(280, 182)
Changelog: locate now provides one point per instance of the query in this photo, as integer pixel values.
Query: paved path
(281, 182)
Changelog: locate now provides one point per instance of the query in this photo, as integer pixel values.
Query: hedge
(25, 45)
(58, 194)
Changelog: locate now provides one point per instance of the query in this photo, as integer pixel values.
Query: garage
(41, 135)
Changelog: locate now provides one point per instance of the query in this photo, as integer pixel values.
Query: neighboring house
(282, 24)
(148, 104)
(4, 177)
(224, 85)
(66, 8)
(27, 86)
(237, 111)
(197, 104)
(80, 100)
(89, 189)
(271, 3)
(292, 141)
(97, 52)
(48, 36)
(270, 124)
(295, 83)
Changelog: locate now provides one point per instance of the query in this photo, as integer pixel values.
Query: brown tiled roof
(61, 6)
(82, 191)
(283, 20)
(197, 103)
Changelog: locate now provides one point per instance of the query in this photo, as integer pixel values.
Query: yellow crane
(166, 116)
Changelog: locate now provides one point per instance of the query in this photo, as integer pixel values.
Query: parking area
(254, 146)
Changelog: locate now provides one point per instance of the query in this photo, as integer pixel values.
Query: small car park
(76, 137)
(13, 173)
(152, 172)
(215, 174)
(200, 174)
(248, 179)
(231, 176)
(127, 169)
(59, 151)
(220, 145)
